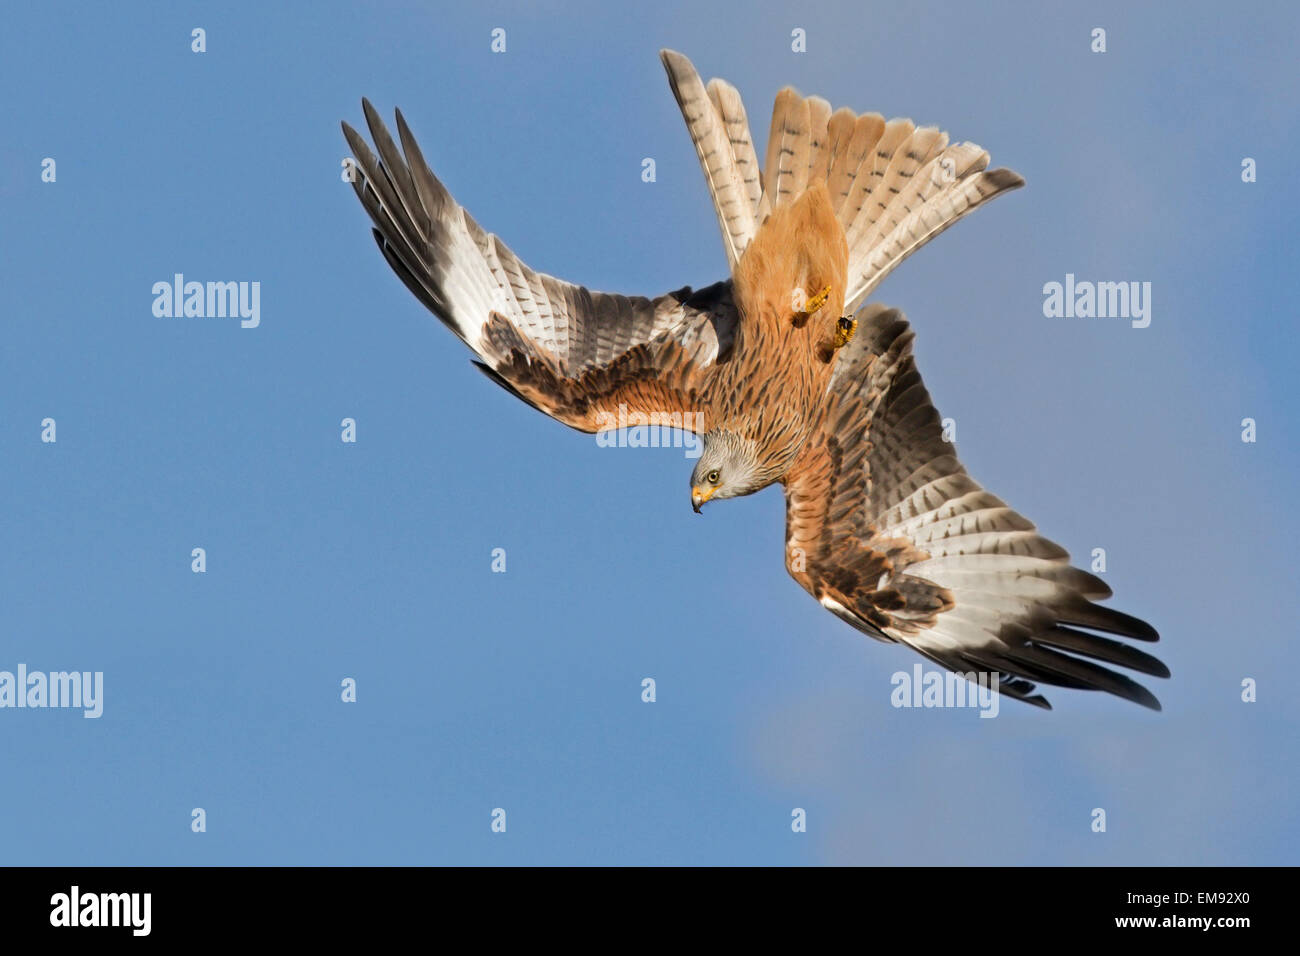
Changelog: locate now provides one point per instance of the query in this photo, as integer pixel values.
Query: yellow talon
(844, 330)
(817, 301)
(813, 304)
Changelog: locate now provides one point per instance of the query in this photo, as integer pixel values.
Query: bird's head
(728, 468)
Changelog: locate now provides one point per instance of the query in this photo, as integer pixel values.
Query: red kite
(786, 378)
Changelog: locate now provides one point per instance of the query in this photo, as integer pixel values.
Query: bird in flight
(787, 376)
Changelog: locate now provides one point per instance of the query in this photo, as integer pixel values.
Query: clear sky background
(522, 690)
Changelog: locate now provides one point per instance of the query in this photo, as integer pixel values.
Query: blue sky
(521, 690)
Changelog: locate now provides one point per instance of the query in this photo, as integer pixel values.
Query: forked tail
(893, 186)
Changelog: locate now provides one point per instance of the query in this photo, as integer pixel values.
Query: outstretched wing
(581, 357)
(888, 531)
(894, 186)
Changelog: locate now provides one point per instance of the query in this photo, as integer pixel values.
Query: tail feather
(789, 149)
(819, 115)
(892, 186)
(710, 132)
(856, 144)
(872, 170)
(921, 225)
(726, 100)
(911, 155)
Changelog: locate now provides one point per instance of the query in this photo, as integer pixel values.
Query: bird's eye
(712, 476)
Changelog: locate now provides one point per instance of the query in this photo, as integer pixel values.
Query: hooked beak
(699, 496)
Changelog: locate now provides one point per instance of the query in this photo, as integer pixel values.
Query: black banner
(375, 904)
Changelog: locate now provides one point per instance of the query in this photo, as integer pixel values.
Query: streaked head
(728, 468)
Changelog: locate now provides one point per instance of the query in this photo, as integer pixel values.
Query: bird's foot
(811, 306)
(844, 330)
(842, 336)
